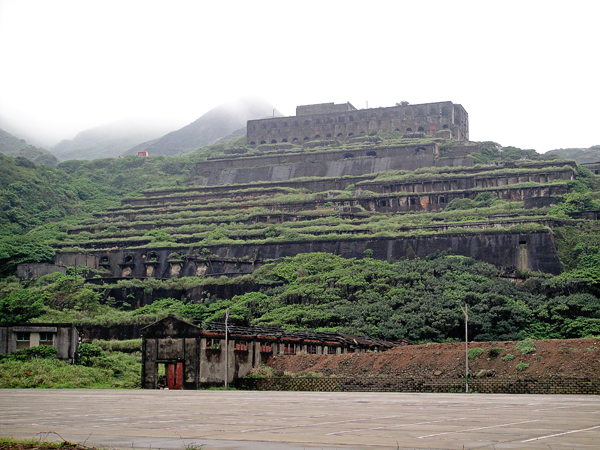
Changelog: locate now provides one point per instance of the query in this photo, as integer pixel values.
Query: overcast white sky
(526, 71)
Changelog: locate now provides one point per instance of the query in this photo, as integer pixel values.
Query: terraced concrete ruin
(383, 194)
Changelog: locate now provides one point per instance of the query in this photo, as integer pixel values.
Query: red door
(175, 375)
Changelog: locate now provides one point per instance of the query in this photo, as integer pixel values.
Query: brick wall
(372, 384)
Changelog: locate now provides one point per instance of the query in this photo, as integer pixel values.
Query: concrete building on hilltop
(343, 121)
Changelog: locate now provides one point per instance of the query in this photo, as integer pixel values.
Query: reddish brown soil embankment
(572, 358)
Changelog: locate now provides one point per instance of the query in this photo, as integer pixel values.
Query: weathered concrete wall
(322, 184)
(116, 332)
(401, 201)
(139, 296)
(314, 123)
(439, 183)
(32, 271)
(594, 167)
(324, 164)
(324, 108)
(502, 248)
(76, 259)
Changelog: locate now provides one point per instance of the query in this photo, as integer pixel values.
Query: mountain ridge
(13, 146)
(210, 128)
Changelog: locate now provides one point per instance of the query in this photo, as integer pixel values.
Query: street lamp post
(226, 347)
(464, 310)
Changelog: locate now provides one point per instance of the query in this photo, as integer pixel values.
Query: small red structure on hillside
(142, 153)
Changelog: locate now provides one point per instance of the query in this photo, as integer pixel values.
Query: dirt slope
(576, 358)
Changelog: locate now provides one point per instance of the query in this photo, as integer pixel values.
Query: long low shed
(194, 354)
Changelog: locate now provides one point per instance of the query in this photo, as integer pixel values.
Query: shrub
(526, 346)
(20, 306)
(26, 354)
(494, 352)
(261, 372)
(508, 357)
(522, 366)
(475, 352)
(86, 353)
(460, 203)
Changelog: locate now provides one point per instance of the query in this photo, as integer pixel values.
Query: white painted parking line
(559, 407)
(393, 426)
(322, 423)
(477, 429)
(560, 434)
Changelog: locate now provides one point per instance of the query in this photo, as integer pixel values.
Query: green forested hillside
(412, 298)
(13, 146)
(581, 155)
(415, 299)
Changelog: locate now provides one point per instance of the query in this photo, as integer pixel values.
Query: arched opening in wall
(362, 133)
(409, 129)
(419, 150)
(341, 119)
(152, 257)
(339, 135)
(350, 134)
(371, 153)
(128, 259)
(445, 127)
(442, 200)
(421, 129)
(284, 140)
(348, 155)
(252, 143)
(383, 203)
(432, 128)
(285, 124)
(295, 140)
(318, 136)
(263, 127)
(296, 124)
(328, 135)
(306, 138)
(306, 122)
(413, 201)
(397, 129)
(274, 125)
(273, 141)
(104, 260)
(253, 127)
(263, 142)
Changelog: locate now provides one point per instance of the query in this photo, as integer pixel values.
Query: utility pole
(464, 310)
(226, 347)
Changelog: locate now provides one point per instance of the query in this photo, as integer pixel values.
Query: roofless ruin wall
(346, 122)
(507, 250)
(322, 164)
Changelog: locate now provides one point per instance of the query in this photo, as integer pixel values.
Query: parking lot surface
(136, 419)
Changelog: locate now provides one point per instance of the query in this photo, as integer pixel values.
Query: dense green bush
(26, 354)
(20, 306)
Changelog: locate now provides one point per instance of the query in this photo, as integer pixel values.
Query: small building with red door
(183, 355)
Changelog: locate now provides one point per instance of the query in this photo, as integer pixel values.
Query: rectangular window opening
(46, 338)
(23, 340)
